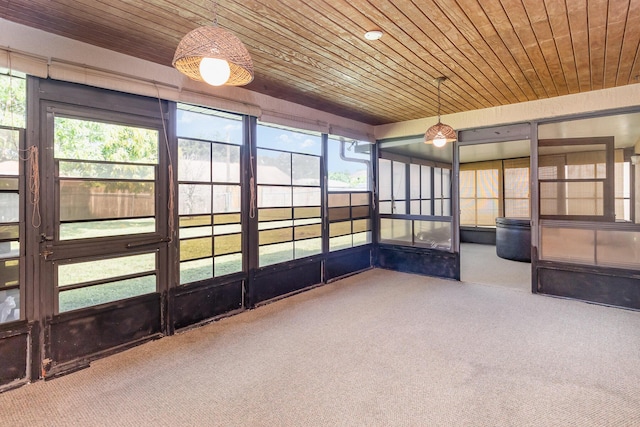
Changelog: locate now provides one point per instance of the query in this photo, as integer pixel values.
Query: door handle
(142, 244)
(46, 253)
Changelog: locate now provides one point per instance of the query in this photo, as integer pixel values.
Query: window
(480, 193)
(587, 191)
(10, 228)
(577, 181)
(89, 283)
(420, 189)
(392, 183)
(493, 189)
(349, 202)
(288, 193)
(106, 178)
(411, 194)
(441, 191)
(209, 193)
(516, 188)
(12, 118)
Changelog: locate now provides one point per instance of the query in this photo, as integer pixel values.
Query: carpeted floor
(377, 349)
(480, 264)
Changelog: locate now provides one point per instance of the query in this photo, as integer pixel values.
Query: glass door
(104, 246)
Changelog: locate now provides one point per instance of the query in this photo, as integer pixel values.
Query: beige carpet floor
(480, 264)
(377, 349)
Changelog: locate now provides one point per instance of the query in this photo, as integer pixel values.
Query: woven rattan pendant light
(215, 46)
(439, 134)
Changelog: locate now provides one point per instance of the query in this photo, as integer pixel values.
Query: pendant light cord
(215, 13)
(439, 81)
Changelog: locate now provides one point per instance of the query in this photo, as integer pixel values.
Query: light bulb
(439, 140)
(214, 71)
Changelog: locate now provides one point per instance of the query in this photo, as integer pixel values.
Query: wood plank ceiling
(312, 52)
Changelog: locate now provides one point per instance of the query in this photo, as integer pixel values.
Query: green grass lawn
(191, 270)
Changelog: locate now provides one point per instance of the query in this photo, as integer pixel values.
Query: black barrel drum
(513, 239)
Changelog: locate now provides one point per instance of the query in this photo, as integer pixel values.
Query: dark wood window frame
(608, 182)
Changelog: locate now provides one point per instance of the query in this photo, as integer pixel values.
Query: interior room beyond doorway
(494, 183)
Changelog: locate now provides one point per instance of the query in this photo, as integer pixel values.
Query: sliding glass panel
(209, 193)
(227, 264)
(9, 271)
(306, 196)
(9, 207)
(227, 229)
(83, 200)
(305, 170)
(194, 221)
(226, 198)
(12, 194)
(194, 160)
(309, 247)
(361, 225)
(203, 123)
(194, 199)
(118, 227)
(348, 164)
(222, 219)
(195, 248)
(384, 179)
(396, 230)
(196, 232)
(106, 178)
(580, 187)
(339, 199)
(194, 271)
(273, 167)
(349, 177)
(101, 294)
(77, 287)
(104, 170)
(480, 193)
(337, 214)
(306, 213)
(90, 140)
(9, 232)
(270, 196)
(279, 235)
(88, 271)
(516, 188)
(568, 245)
(274, 214)
(288, 177)
(618, 248)
(433, 234)
(274, 254)
(572, 198)
(399, 187)
(227, 244)
(226, 163)
(340, 228)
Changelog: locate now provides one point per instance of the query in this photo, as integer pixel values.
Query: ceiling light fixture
(439, 134)
(373, 35)
(214, 55)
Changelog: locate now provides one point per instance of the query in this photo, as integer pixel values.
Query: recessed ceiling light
(373, 35)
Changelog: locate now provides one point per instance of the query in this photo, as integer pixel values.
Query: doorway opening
(495, 212)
